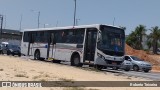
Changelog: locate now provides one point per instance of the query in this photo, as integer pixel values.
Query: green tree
(154, 37)
(149, 44)
(131, 40)
(140, 31)
(135, 38)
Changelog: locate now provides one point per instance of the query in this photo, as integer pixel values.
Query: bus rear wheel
(37, 55)
(75, 61)
(56, 61)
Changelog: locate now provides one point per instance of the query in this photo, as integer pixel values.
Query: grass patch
(43, 80)
(36, 77)
(21, 75)
(90, 69)
(1, 69)
(46, 75)
(64, 79)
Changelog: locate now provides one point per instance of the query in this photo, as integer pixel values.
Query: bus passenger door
(31, 41)
(90, 45)
(51, 46)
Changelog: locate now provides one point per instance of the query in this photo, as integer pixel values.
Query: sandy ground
(21, 69)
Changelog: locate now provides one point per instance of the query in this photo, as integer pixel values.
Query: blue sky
(128, 13)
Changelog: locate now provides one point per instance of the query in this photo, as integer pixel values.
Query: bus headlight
(101, 56)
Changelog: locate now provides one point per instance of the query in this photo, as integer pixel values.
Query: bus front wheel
(37, 55)
(98, 67)
(75, 61)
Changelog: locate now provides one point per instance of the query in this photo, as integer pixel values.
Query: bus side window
(60, 36)
(79, 36)
(25, 37)
(70, 37)
(63, 37)
(45, 38)
(41, 36)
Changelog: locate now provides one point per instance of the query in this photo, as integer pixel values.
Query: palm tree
(149, 43)
(140, 32)
(132, 40)
(135, 38)
(154, 37)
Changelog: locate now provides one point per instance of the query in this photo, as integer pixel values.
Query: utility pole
(114, 21)
(77, 21)
(20, 24)
(75, 6)
(38, 12)
(38, 18)
(1, 17)
(57, 23)
(45, 25)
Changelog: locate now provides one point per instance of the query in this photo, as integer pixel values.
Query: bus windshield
(112, 41)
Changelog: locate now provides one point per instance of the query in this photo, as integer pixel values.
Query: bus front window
(112, 41)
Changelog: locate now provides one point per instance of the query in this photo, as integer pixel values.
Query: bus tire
(56, 61)
(37, 55)
(98, 67)
(75, 60)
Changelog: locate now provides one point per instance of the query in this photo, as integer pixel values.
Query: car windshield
(13, 47)
(136, 58)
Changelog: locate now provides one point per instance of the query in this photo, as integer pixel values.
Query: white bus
(98, 45)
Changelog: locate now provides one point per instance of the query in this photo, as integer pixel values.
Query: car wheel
(127, 69)
(8, 52)
(19, 54)
(146, 70)
(12, 54)
(135, 68)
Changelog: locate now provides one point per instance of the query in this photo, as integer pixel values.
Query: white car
(138, 64)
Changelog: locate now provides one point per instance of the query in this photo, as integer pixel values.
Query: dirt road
(19, 69)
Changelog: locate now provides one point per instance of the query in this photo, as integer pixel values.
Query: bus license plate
(114, 63)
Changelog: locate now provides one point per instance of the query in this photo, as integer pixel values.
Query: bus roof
(69, 27)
